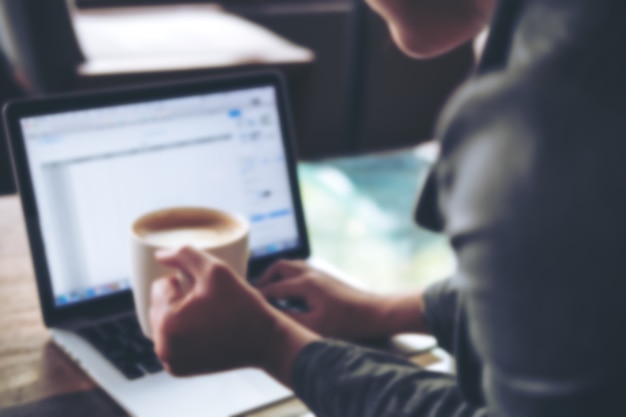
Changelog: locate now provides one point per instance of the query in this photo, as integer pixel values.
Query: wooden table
(36, 378)
(31, 366)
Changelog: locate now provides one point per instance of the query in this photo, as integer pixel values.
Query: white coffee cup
(222, 234)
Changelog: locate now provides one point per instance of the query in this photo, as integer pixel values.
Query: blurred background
(351, 89)
(353, 93)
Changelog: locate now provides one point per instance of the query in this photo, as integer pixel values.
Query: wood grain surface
(31, 366)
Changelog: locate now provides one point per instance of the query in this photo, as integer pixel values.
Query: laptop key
(96, 338)
(130, 370)
(109, 328)
(130, 324)
(90, 334)
(151, 364)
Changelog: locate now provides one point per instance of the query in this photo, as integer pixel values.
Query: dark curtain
(8, 90)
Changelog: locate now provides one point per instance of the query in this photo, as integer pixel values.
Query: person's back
(533, 191)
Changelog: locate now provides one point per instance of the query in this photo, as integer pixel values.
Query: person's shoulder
(495, 97)
(489, 120)
(510, 137)
(550, 101)
(501, 130)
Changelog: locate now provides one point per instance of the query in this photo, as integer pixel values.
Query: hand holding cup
(221, 234)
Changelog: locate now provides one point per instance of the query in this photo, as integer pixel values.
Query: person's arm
(340, 379)
(442, 304)
(336, 379)
(427, 28)
(338, 310)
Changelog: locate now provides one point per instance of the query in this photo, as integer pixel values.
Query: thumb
(189, 261)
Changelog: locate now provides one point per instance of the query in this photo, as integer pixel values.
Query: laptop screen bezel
(122, 301)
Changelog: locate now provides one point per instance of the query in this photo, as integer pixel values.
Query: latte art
(199, 228)
(198, 237)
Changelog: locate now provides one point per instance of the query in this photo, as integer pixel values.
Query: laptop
(88, 164)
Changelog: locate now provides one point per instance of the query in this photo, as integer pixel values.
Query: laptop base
(160, 394)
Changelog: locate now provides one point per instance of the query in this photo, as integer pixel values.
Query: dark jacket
(530, 188)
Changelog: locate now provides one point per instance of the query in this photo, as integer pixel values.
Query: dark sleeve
(534, 202)
(441, 312)
(337, 379)
(445, 316)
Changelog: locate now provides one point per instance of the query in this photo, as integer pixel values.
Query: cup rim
(245, 230)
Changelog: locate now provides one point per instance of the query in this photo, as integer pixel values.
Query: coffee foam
(200, 228)
(199, 237)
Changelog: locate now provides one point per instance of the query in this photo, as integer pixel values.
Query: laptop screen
(94, 171)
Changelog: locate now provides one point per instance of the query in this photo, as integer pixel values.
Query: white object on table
(177, 37)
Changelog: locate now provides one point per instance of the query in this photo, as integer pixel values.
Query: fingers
(198, 270)
(290, 289)
(280, 270)
(304, 318)
(166, 291)
(285, 289)
(189, 261)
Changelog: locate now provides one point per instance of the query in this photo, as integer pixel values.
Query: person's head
(427, 28)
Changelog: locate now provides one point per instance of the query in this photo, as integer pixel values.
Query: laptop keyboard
(124, 345)
(90, 4)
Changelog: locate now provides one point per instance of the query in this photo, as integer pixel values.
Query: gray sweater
(530, 188)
